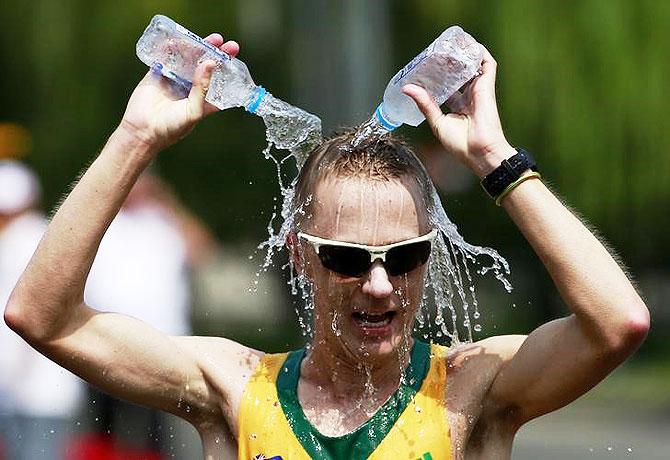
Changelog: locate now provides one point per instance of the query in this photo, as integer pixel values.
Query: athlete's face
(370, 315)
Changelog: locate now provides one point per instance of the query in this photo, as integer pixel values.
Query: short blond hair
(380, 159)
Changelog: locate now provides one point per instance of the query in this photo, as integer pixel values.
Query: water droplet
(449, 279)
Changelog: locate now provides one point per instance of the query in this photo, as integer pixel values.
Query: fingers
(230, 47)
(201, 80)
(215, 39)
(489, 67)
(425, 102)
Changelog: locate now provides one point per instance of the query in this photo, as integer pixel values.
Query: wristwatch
(508, 172)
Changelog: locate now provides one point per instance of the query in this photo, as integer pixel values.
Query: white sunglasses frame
(376, 252)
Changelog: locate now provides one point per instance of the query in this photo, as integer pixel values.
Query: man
(345, 396)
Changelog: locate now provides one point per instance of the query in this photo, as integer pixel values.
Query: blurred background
(581, 84)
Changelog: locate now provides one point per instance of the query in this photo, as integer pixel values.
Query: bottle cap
(253, 105)
(385, 122)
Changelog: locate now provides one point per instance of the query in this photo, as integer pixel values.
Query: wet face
(370, 316)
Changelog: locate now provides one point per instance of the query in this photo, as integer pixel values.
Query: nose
(377, 283)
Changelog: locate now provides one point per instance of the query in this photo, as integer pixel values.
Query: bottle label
(379, 113)
(413, 63)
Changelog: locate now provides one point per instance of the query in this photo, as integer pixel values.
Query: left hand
(472, 133)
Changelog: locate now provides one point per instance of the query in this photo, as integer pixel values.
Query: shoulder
(485, 352)
(226, 366)
(218, 354)
(472, 367)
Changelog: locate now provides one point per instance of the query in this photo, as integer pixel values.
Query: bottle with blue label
(175, 52)
(442, 68)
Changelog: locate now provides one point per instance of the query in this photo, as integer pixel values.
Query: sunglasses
(355, 260)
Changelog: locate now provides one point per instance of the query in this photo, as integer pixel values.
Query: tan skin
(494, 386)
(334, 375)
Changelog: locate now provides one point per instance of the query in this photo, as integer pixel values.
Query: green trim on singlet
(361, 443)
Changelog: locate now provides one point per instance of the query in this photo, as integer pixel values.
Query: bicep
(552, 367)
(131, 360)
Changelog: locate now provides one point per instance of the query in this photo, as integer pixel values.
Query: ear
(293, 246)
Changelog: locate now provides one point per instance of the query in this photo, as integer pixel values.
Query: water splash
(289, 128)
(450, 278)
(449, 297)
(369, 130)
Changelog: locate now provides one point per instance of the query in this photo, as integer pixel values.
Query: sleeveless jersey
(411, 425)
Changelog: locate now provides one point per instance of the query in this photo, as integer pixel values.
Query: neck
(332, 366)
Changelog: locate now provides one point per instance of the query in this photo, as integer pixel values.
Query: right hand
(158, 117)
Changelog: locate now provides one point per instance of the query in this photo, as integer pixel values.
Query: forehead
(370, 212)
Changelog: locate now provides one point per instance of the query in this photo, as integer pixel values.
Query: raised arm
(562, 359)
(121, 355)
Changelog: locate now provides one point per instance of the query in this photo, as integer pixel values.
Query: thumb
(201, 81)
(425, 102)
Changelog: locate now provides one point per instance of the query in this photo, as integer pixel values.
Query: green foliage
(582, 84)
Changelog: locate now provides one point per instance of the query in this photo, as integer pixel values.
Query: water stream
(449, 308)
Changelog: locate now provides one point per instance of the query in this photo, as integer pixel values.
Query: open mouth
(370, 320)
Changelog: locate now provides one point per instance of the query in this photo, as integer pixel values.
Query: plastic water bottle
(176, 52)
(442, 68)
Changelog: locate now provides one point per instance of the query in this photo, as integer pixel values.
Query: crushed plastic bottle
(442, 68)
(176, 52)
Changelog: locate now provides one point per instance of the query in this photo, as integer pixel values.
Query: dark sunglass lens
(344, 260)
(403, 259)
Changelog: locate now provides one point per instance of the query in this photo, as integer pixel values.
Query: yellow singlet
(411, 425)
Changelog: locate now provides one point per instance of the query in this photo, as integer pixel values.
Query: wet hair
(379, 159)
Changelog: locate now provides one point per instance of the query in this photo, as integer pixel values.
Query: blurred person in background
(232, 393)
(38, 399)
(143, 269)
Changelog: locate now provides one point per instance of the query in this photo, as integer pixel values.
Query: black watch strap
(508, 172)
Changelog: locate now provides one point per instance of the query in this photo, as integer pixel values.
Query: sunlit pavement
(586, 431)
